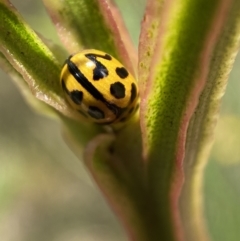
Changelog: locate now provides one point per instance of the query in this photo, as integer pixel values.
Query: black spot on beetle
(83, 81)
(106, 56)
(100, 71)
(133, 92)
(117, 90)
(96, 113)
(76, 96)
(121, 72)
(89, 87)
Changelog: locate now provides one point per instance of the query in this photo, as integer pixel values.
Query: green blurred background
(46, 192)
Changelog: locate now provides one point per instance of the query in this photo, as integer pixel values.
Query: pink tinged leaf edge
(151, 38)
(200, 82)
(148, 43)
(217, 88)
(67, 38)
(122, 38)
(60, 105)
(113, 20)
(117, 199)
(152, 27)
(54, 100)
(22, 86)
(57, 101)
(29, 79)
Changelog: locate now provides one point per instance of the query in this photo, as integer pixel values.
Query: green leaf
(30, 57)
(22, 85)
(201, 129)
(37, 65)
(186, 51)
(92, 24)
(181, 46)
(115, 163)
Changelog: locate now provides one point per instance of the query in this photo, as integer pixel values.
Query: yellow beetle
(99, 87)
